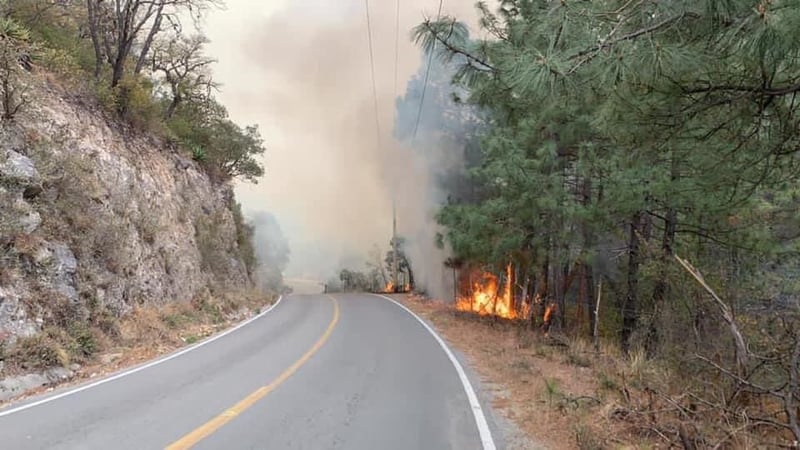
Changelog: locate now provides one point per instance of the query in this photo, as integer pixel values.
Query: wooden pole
(455, 286)
(595, 339)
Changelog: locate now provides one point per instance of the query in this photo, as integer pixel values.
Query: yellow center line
(205, 430)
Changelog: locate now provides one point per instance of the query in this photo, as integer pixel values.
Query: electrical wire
(427, 75)
(396, 44)
(372, 71)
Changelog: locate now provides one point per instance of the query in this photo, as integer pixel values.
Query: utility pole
(394, 243)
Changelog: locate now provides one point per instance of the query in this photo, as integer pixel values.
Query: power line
(427, 74)
(396, 44)
(372, 70)
(378, 124)
(394, 196)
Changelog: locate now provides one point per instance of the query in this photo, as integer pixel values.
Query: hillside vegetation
(118, 223)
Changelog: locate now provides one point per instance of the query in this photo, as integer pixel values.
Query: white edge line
(139, 368)
(480, 419)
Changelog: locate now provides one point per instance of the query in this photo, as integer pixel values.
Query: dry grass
(561, 397)
(143, 334)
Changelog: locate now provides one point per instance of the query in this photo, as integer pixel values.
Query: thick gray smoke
(440, 139)
(272, 250)
(300, 69)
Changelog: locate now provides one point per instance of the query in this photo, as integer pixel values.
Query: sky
(300, 69)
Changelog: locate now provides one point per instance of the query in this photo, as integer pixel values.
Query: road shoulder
(491, 394)
(142, 349)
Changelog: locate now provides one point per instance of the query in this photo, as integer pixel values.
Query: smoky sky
(300, 70)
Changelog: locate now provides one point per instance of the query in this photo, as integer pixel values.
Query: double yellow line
(205, 430)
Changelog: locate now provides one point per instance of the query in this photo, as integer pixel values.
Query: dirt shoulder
(561, 395)
(144, 334)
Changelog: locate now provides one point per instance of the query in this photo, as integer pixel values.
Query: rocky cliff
(97, 218)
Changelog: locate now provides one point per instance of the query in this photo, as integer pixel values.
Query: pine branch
(457, 51)
(768, 91)
(590, 53)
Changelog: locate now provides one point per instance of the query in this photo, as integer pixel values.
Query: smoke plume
(301, 70)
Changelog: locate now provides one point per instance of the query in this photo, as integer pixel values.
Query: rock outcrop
(96, 217)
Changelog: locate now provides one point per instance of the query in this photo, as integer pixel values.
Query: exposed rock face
(13, 386)
(98, 217)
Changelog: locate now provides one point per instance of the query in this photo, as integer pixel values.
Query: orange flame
(486, 300)
(389, 288)
(548, 312)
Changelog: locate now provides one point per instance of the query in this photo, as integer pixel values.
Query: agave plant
(11, 29)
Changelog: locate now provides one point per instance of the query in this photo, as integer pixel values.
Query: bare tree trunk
(6, 92)
(541, 291)
(595, 316)
(741, 352)
(791, 397)
(581, 300)
(590, 296)
(148, 42)
(661, 285)
(94, 33)
(563, 287)
(630, 310)
(173, 106)
(118, 70)
(587, 281)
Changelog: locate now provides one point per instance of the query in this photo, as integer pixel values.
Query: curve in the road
(480, 418)
(205, 430)
(373, 381)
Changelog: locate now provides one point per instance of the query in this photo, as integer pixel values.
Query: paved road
(316, 372)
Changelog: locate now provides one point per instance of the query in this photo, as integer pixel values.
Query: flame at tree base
(486, 300)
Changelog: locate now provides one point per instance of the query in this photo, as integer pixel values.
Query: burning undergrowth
(486, 294)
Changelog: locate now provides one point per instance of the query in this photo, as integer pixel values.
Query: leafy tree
(233, 151)
(184, 68)
(119, 28)
(226, 149)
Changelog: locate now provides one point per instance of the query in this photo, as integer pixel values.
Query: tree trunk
(541, 291)
(6, 90)
(140, 62)
(630, 311)
(587, 279)
(566, 281)
(455, 286)
(94, 25)
(118, 69)
(589, 297)
(661, 285)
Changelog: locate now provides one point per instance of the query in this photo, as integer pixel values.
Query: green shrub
(198, 153)
(40, 352)
(244, 240)
(135, 103)
(176, 320)
(85, 344)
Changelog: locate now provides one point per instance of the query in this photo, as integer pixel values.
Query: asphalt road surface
(315, 372)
